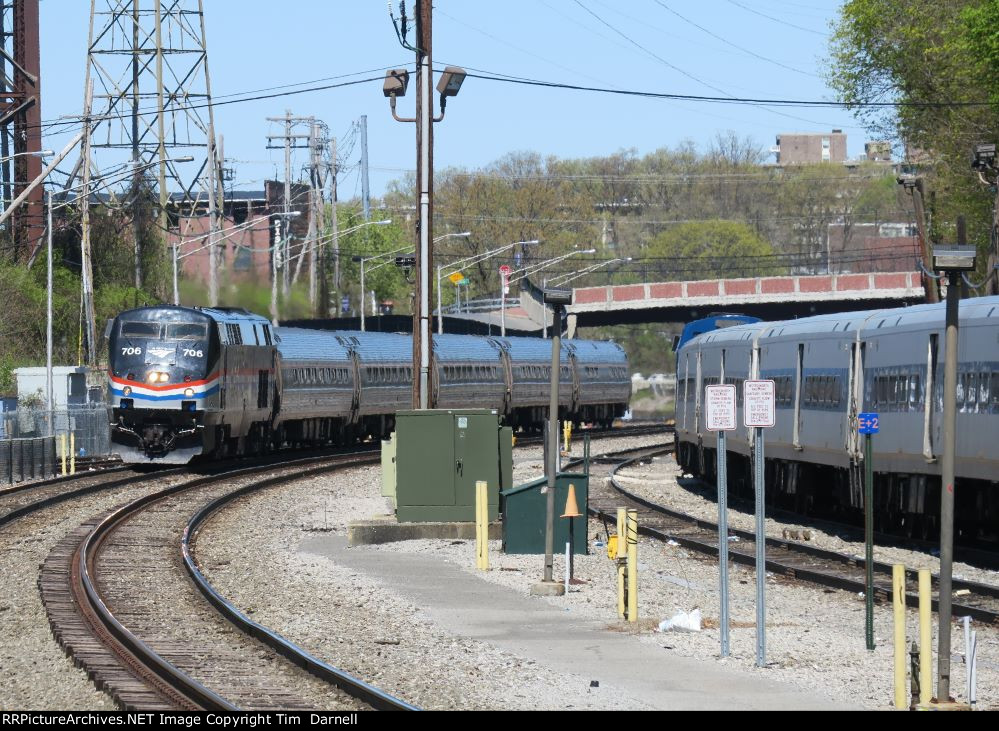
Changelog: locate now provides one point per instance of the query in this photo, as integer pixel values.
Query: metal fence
(32, 440)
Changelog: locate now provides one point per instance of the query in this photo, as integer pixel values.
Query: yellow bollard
(622, 518)
(62, 452)
(925, 642)
(482, 526)
(567, 435)
(632, 565)
(72, 453)
(898, 602)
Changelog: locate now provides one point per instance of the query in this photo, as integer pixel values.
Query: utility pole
(365, 189)
(86, 263)
(136, 172)
(289, 142)
(422, 342)
(335, 233)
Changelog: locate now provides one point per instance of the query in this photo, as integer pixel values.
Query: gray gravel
(359, 625)
(34, 673)
(815, 637)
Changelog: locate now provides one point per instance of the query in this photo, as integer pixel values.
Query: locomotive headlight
(189, 393)
(164, 377)
(127, 391)
(153, 377)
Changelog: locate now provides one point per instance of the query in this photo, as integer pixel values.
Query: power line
(776, 20)
(685, 19)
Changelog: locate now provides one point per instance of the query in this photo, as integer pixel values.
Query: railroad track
(160, 645)
(149, 683)
(787, 558)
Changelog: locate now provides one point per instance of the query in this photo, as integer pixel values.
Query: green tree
(939, 62)
(707, 249)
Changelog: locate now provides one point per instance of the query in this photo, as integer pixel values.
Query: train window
(914, 391)
(140, 330)
(995, 389)
(267, 334)
(971, 395)
(186, 331)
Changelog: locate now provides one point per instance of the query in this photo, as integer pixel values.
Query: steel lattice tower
(148, 102)
(20, 120)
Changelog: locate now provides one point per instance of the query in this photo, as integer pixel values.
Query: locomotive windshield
(161, 352)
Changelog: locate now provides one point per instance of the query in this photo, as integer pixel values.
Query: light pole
(534, 269)
(951, 261)
(363, 260)
(396, 81)
(440, 314)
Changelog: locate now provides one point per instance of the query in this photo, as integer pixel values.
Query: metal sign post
(720, 403)
(867, 424)
(759, 413)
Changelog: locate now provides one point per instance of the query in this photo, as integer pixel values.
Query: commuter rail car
(188, 382)
(828, 369)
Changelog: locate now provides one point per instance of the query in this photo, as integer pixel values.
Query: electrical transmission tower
(20, 120)
(148, 104)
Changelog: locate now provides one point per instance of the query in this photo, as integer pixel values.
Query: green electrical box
(525, 511)
(440, 455)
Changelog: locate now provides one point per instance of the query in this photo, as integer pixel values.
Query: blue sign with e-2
(868, 423)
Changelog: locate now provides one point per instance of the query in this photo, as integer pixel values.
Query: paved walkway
(470, 607)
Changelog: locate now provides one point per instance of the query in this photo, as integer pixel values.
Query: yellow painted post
(62, 452)
(898, 602)
(925, 641)
(482, 525)
(622, 519)
(632, 565)
(72, 453)
(567, 435)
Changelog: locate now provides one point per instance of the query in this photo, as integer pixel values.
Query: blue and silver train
(827, 370)
(188, 382)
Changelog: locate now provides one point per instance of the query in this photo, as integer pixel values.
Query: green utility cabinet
(525, 511)
(441, 454)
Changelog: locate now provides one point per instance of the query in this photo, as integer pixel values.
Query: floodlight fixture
(451, 81)
(954, 258)
(558, 297)
(396, 83)
(984, 158)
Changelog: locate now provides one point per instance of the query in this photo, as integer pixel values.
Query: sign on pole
(759, 399)
(720, 405)
(868, 424)
(505, 274)
(456, 277)
(760, 404)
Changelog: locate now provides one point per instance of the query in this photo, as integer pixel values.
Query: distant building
(878, 151)
(864, 248)
(806, 148)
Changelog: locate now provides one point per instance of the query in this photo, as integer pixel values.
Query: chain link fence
(32, 441)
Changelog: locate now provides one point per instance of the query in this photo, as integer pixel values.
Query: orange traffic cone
(571, 507)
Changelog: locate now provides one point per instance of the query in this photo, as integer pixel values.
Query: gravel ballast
(815, 636)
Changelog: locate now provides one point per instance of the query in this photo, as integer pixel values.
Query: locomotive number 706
(194, 353)
(131, 351)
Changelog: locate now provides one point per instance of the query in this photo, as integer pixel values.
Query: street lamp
(33, 153)
(364, 260)
(396, 83)
(566, 278)
(950, 261)
(528, 271)
(440, 314)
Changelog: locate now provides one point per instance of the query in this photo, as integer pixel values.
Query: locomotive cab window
(140, 330)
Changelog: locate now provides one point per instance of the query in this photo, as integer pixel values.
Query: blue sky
(637, 44)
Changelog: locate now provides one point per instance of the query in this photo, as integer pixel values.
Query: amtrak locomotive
(187, 382)
(827, 370)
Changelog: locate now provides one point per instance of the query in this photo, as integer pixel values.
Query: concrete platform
(386, 529)
(468, 606)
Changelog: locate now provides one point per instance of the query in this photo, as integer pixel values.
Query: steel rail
(816, 576)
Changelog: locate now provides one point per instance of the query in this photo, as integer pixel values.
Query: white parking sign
(759, 404)
(719, 402)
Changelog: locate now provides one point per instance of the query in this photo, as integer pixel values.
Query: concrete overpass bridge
(770, 298)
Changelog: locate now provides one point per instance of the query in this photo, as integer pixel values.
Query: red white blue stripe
(165, 393)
